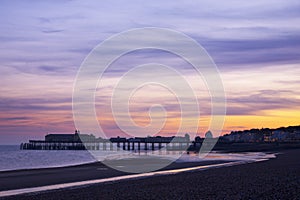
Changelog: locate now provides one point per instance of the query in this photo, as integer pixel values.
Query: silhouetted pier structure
(79, 141)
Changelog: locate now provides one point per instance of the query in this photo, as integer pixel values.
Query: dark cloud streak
(254, 51)
(260, 101)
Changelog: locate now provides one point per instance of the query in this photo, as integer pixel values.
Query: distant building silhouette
(282, 134)
(77, 137)
(208, 134)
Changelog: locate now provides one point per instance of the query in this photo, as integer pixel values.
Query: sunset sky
(255, 45)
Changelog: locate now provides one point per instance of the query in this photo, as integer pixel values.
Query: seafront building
(288, 134)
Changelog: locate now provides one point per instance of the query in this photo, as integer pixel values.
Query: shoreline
(273, 179)
(219, 148)
(38, 179)
(28, 178)
(117, 179)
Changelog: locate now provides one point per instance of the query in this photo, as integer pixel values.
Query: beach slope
(277, 178)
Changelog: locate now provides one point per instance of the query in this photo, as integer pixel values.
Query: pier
(124, 145)
(79, 141)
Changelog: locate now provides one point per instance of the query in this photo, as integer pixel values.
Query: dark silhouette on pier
(80, 141)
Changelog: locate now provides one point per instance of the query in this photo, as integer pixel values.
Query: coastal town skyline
(44, 44)
(289, 134)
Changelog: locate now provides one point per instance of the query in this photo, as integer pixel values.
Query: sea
(12, 158)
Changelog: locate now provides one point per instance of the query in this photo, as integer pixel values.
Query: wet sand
(19, 179)
(273, 179)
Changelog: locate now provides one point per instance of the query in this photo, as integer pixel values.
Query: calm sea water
(12, 158)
